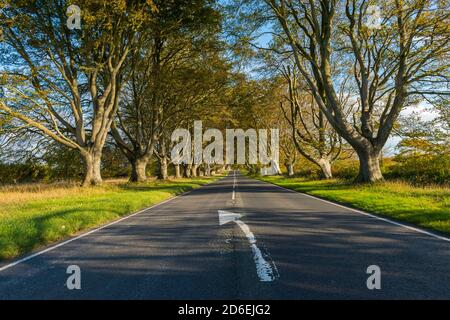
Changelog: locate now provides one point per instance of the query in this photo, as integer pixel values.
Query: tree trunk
(92, 175)
(187, 170)
(177, 171)
(194, 168)
(207, 170)
(138, 170)
(290, 169)
(325, 166)
(163, 172)
(369, 166)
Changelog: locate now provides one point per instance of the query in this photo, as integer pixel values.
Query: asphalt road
(178, 250)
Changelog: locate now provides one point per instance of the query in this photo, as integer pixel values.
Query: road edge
(16, 261)
(371, 215)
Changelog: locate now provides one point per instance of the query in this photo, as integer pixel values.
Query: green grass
(37, 215)
(427, 207)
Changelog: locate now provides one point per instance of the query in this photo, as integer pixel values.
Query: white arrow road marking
(266, 271)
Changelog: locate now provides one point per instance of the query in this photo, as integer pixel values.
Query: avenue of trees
(105, 98)
(132, 73)
(361, 76)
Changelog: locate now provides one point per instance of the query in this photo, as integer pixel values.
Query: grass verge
(36, 215)
(427, 207)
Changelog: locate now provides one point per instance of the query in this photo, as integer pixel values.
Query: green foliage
(421, 169)
(345, 169)
(60, 163)
(29, 171)
(63, 163)
(424, 151)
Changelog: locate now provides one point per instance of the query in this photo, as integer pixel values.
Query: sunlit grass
(38, 214)
(427, 207)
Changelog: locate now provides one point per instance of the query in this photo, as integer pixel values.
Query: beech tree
(392, 62)
(193, 93)
(312, 134)
(178, 39)
(288, 150)
(66, 83)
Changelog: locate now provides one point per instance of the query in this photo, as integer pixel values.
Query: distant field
(39, 214)
(427, 207)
